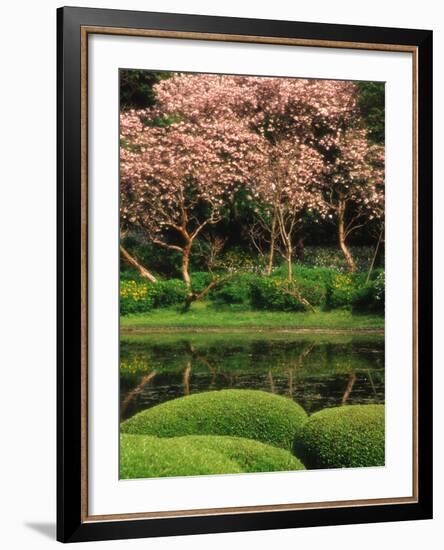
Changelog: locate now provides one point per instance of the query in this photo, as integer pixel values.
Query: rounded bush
(148, 456)
(252, 414)
(351, 436)
(251, 455)
(154, 457)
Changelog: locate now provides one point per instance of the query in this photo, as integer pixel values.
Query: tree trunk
(289, 265)
(186, 266)
(272, 246)
(131, 260)
(341, 234)
(270, 257)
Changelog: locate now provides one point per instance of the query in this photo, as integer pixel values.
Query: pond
(316, 370)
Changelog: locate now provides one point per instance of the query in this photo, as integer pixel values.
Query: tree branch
(166, 245)
(131, 260)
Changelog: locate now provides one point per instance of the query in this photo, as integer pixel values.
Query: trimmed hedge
(351, 436)
(148, 456)
(251, 414)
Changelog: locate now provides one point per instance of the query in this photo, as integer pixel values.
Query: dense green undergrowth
(324, 289)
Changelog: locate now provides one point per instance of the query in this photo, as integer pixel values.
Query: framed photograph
(244, 284)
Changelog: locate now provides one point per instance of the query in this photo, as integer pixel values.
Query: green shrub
(148, 456)
(252, 414)
(200, 280)
(343, 289)
(135, 297)
(235, 290)
(269, 294)
(278, 295)
(167, 293)
(131, 275)
(342, 437)
(138, 296)
(315, 274)
(371, 298)
(313, 291)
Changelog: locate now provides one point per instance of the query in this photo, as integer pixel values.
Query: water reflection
(316, 371)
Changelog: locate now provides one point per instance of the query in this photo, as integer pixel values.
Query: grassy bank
(203, 316)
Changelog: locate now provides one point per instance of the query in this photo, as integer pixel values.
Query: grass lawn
(203, 315)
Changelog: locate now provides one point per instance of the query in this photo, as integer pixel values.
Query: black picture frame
(72, 525)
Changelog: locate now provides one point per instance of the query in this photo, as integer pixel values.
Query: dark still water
(316, 370)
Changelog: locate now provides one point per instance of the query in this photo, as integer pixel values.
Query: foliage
(139, 296)
(329, 257)
(353, 185)
(233, 292)
(135, 297)
(237, 259)
(145, 456)
(166, 293)
(343, 289)
(136, 87)
(200, 280)
(371, 100)
(371, 298)
(236, 290)
(278, 295)
(243, 413)
(342, 437)
(303, 273)
(159, 260)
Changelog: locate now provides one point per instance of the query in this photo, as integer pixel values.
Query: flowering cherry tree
(175, 180)
(353, 186)
(291, 123)
(288, 184)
